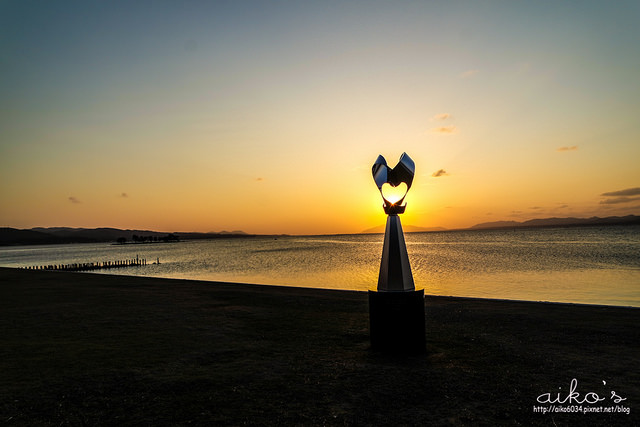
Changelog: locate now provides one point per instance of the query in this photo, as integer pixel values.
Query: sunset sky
(267, 116)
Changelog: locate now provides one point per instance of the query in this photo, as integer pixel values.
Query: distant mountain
(560, 222)
(80, 235)
(544, 222)
(12, 236)
(55, 235)
(227, 232)
(405, 228)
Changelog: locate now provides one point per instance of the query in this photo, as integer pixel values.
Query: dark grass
(86, 349)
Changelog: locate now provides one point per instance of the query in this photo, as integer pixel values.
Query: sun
(394, 194)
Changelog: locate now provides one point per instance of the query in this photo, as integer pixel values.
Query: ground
(89, 349)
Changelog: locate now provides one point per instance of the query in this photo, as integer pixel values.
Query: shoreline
(112, 349)
(364, 292)
(497, 299)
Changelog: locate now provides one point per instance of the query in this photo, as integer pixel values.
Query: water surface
(595, 265)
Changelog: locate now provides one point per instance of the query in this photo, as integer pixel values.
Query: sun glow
(394, 194)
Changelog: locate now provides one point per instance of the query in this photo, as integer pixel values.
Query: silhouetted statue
(395, 270)
(396, 309)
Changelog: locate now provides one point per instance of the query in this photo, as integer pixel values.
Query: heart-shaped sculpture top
(403, 172)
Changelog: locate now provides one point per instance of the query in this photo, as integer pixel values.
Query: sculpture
(396, 309)
(395, 270)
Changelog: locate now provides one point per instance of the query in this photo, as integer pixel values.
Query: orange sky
(267, 118)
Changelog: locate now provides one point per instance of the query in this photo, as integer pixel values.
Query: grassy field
(88, 349)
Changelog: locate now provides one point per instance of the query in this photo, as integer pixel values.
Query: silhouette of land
(87, 349)
(561, 222)
(532, 223)
(57, 235)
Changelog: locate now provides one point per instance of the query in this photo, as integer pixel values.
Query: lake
(593, 265)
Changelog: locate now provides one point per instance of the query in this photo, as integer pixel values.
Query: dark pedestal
(397, 321)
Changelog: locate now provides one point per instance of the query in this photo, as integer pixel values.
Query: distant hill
(544, 222)
(80, 235)
(12, 236)
(227, 232)
(55, 235)
(560, 222)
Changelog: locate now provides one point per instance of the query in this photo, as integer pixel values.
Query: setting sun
(394, 194)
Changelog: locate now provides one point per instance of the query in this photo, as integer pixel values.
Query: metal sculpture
(395, 270)
(396, 309)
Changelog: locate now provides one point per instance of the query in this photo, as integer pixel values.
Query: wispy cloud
(259, 178)
(124, 195)
(468, 73)
(440, 172)
(572, 148)
(627, 192)
(445, 130)
(627, 195)
(73, 199)
(441, 116)
(618, 200)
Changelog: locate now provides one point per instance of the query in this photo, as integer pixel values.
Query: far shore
(83, 348)
(65, 235)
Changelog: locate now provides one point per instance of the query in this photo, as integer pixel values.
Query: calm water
(595, 265)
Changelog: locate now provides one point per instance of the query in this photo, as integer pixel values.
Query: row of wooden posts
(87, 266)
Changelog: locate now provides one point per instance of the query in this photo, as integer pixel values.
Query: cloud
(535, 208)
(441, 116)
(627, 192)
(619, 200)
(468, 73)
(259, 178)
(445, 130)
(124, 195)
(440, 172)
(572, 148)
(628, 195)
(73, 199)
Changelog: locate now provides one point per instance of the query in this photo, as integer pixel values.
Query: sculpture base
(397, 321)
